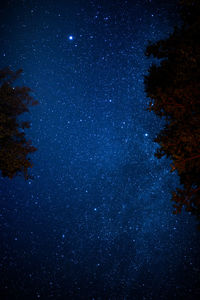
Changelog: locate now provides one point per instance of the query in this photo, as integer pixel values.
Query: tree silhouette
(173, 87)
(14, 148)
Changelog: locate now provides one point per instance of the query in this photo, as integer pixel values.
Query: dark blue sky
(96, 221)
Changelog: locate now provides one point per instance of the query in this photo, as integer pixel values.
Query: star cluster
(96, 221)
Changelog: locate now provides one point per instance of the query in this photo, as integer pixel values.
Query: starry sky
(96, 220)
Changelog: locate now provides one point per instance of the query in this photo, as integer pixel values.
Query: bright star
(71, 37)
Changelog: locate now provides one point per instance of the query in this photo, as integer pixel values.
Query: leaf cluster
(173, 87)
(14, 148)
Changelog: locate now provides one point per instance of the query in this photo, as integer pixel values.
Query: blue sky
(96, 221)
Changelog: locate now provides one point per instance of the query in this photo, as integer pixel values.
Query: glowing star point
(70, 37)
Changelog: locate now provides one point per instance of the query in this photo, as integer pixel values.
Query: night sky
(96, 220)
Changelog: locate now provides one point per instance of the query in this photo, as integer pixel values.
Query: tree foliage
(173, 87)
(14, 148)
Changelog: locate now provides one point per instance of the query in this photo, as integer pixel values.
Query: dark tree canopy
(174, 89)
(14, 148)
